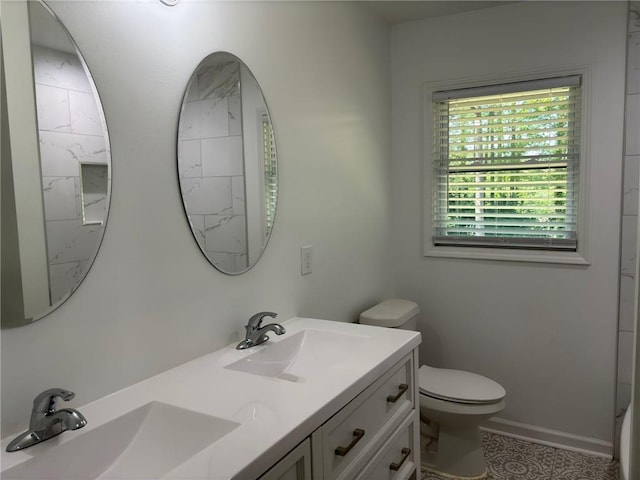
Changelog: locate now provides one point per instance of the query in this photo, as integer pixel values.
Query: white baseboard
(546, 436)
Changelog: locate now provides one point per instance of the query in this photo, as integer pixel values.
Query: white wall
(546, 332)
(151, 301)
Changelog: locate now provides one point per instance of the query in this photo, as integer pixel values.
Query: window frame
(578, 257)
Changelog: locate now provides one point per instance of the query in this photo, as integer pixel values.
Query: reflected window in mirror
(270, 173)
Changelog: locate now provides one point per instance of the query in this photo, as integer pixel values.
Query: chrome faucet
(255, 334)
(46, 421)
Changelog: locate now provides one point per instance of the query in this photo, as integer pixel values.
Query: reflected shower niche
(56, 165)
(94, 187)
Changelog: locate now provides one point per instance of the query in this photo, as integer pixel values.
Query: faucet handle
(256, 320)
(45, 402)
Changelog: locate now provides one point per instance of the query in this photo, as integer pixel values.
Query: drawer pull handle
(405, 454)
(403, 387)
(358, 433)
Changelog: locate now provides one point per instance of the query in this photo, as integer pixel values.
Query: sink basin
(301, 355)
(146, 443)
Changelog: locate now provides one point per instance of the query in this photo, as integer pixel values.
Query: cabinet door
(296, 465)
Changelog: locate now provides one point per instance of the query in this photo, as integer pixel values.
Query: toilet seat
(459, 386)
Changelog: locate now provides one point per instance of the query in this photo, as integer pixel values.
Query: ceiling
(399, 11)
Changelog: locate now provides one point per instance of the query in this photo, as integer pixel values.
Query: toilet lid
(458, 386)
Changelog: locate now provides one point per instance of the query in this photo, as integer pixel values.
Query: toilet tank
(393, 313)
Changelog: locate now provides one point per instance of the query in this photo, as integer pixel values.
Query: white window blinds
(270, 173)
(506, 161)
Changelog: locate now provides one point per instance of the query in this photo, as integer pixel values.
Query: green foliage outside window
(506, 167)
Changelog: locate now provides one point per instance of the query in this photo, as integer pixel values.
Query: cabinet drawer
(398, 458)
(351, 436)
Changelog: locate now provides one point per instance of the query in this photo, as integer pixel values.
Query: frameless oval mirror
(56, 165)
(227, 164)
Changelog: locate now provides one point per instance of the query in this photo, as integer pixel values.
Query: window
(506, 165)
(270, 173)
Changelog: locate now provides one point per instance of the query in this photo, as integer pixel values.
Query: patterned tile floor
(513, 459)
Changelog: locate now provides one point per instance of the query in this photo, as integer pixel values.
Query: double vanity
(326, 400)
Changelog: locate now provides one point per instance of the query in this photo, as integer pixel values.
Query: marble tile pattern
(630, 187)
(71, 240)
(207, 195)
(190, 159)
(222, 157)
(71, 132)
(634, 16)
(512, 459)
(632, 125)
(205, 119)
(237, 194)
(84, 114)
(59, 69)
(628, 246)
(225, 233)
(211, 164)
(633, 64)
(62, 153)
(68, 276)
(625, 350)
(61, 198)
(230, 262)
(627, 292)
(220, 237)
(218, 80)
(629, 216)
(235, 115)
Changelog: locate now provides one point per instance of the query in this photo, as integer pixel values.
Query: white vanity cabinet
(347, 409)
(296, 465)
(359, 435)
(374, 436)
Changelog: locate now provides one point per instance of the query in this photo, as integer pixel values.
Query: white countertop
(274, 414)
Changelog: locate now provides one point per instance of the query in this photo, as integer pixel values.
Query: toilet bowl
(453, 403)
(625, 445)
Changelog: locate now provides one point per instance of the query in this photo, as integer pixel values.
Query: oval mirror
(227, 164)
(56, 166)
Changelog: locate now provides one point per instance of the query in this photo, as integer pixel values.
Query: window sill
(508, 255)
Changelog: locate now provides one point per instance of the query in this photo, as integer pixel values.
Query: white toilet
(453, 403)
(625, 444)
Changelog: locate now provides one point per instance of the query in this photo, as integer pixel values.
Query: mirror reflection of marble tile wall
(629, 218)
(212, 165)
(71, 132)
